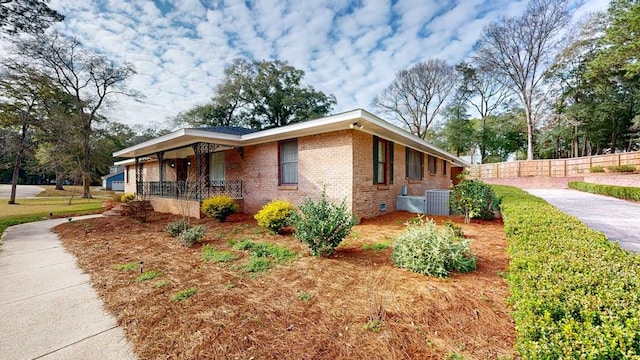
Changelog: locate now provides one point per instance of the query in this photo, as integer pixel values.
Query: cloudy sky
(351, 49)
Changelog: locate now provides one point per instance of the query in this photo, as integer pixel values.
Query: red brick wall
(342, 162)
(369, 197)
(323, 160)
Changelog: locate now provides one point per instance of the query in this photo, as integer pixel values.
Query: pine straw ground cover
(353, 305)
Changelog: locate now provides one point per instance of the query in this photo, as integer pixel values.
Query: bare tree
(522, 49)
(89, 78)
(485, 91)
(416, 95)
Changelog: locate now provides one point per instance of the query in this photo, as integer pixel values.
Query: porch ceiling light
(188, 162)
(172, 164)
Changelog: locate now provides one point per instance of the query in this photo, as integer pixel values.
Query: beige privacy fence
(553, 167)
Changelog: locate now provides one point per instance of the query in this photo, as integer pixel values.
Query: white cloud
(350, 49)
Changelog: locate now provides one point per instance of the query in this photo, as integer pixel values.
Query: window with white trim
(288, 162)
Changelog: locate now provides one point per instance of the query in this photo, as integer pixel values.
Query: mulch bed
(308, 309)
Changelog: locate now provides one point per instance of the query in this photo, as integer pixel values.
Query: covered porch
(176, 180)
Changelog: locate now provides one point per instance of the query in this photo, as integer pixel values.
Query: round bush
(175, 227)
(474, 199)
(192, 235)
(276, 215)
(219, 207)
(322, 225)
(424, 249)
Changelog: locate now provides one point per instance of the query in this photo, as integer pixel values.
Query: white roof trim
(370, 124)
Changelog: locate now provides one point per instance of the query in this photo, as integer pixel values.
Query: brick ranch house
(355, 155)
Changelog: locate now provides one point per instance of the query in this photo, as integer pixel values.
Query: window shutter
(375, 160)
(421, 166)
(406, 162)
(390, 162)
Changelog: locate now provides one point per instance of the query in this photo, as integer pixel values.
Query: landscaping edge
(573, 293)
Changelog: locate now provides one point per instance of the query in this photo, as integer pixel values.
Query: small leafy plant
(322, 225)
(192, 235)
(275, 216)
(474, 199)
(184, 294)
(304, 296)
(424, 249)
(219, 207)
(457, 229)
(149, 275)
(257, 264)
(379, 246)
(597, 169)
(279, 253)
(127, 266)
(174, 228)
(209, 253)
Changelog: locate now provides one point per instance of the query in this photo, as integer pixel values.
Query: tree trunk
(529, 115)
(18, 163)
(14, 177)
(86, 162)
(59, 177)
(576, 141)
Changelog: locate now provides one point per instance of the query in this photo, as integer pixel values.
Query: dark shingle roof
(233, 130)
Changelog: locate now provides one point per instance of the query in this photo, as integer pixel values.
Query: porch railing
(191, 190)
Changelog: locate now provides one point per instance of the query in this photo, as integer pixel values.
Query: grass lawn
(28, 210)
(74, 191)
(224, 298)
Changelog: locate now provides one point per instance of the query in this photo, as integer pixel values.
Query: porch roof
(358, 119)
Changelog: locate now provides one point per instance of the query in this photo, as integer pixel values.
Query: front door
(182, 169)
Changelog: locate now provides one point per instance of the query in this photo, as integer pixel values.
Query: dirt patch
(307, 309)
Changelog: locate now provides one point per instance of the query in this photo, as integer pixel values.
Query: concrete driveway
(618, 219)
(48, 308)
(22, 191)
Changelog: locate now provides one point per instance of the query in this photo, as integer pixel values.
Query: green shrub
(209, 253)
(456, 228)
(192, 235)
(620, 192)
(219, 207)
(597, 169)
(275, 216)
(322, 225)
(474, 199)
(126, 197)
(621, 168)
(424, 249)
(174, 228)
(574, 294)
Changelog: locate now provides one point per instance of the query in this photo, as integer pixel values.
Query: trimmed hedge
(574, 294)
(620, 192)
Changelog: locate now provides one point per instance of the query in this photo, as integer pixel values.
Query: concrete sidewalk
(617, 219)
(48, 309)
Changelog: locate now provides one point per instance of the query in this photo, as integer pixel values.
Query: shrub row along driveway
(617, 219)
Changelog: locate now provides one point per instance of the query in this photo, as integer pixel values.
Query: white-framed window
(288, 162)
